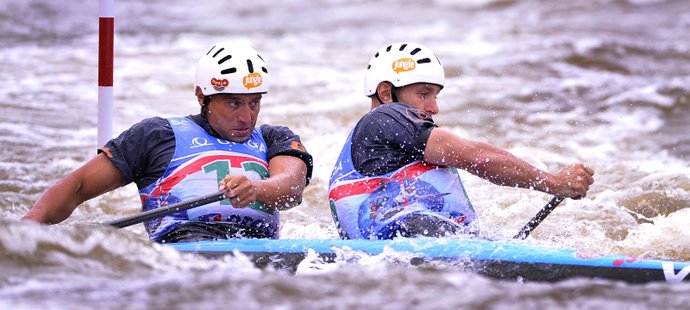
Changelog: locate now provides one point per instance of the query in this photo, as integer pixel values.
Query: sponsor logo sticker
(219, 84)
(252, 80)
(298, 146)
(404, 64)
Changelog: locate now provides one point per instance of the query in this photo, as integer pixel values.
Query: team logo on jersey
(252, 80)
(200, 142)
(219, 84)
(404, 64)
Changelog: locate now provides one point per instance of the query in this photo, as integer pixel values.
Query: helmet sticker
(252, 80)
(219, 84)
(404, 64)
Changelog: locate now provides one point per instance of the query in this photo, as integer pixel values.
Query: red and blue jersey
(200, 161)
(176, 159)
(367, 206)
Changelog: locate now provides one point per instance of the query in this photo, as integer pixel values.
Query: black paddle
(180, 206)
(537, 219)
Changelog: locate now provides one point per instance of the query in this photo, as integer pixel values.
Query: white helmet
(231, 68)
(402, 64)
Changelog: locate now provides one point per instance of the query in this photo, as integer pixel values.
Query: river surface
(554, 82)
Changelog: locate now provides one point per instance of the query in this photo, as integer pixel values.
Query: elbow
(38, 215)
(293, 198)
(296, 195)
(289, 202)
(297, 192)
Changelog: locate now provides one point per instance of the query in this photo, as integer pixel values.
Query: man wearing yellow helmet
(264, 170)
(396, 174)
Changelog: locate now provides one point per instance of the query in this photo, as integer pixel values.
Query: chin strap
(394, 97)
(207, 125)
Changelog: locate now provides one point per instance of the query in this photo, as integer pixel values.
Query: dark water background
(554, 82)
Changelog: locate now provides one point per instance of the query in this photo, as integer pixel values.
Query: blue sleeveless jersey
(370, 207)
(199, 163)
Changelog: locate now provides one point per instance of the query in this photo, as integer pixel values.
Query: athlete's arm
(94, 178)
(282, 190)
(503, 168)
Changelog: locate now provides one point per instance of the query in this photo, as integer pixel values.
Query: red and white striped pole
(106, 36)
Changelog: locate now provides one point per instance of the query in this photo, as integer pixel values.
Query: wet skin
(233, 116)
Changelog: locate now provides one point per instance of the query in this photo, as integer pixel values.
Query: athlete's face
(234, 116)
(421, 95)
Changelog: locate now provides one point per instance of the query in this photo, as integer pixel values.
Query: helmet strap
(207, 124)
(394, 92)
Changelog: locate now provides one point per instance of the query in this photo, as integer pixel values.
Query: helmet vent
(218, 52)
(250, 66)
(388, 49)
(209, 51)
(224, 59)
(226, 71)
(402, 47)
(424, 61)
(264, 70)
(415, 51)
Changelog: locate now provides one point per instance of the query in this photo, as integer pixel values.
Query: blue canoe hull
(497, 259)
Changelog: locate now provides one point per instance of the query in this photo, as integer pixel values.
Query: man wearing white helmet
(264, 170)
(396, 174)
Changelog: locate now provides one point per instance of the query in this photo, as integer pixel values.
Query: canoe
(510, 259)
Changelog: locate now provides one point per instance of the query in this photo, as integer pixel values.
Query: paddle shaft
(537, 219)
(176, 207)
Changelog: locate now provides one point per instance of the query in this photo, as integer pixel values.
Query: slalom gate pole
(106, 35)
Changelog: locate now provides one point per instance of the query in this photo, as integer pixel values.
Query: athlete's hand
(240, 190)
(574, 181)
